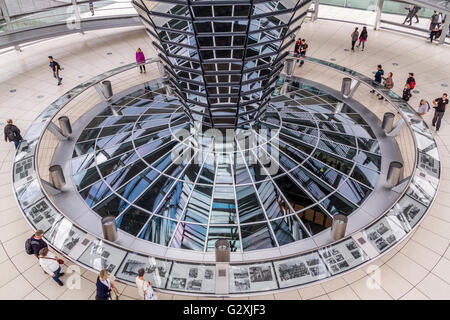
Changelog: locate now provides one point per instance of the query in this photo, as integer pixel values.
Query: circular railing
(34, 155)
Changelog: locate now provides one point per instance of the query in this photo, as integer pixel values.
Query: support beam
(378, 14)
(396, 129)
(53, 128)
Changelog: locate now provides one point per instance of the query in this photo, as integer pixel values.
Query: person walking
(434, 20)
(303, 50)
(440, 105)
(104, 286)
(378, 76)
(55, 68)
(410, 14)
(140, 59)
(51, 264)
(388, 83)
(362, 38)
(423, 108)
(144, 287)
(415, 15)
(411, 81)
(37, 242)
(12, 133)
(91, 7)
(354, 36)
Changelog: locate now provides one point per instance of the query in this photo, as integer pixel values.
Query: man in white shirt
(49, 262)
(144, 287)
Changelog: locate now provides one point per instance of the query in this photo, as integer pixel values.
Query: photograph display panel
(64, 235)
(23, 168)
(100, 255)
(42, 215)
(29, 192)
(156, 270)
(253, 277)
(343, 256)
(422, 189)
(192, 278)
(300, 270)
(385, 233)
(408, 211)
(428, 164)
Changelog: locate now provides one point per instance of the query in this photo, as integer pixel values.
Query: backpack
(28, 247)
(412, 84)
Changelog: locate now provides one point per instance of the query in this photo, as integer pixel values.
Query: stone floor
(418, 268)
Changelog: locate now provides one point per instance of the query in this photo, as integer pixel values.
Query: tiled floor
(419, 268)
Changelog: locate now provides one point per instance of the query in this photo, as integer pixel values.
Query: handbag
(114, 294)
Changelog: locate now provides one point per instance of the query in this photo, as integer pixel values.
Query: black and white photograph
(193, 273)
(178, 283)
(242, 284)
(381, 244)
(258, 274)
(194, 285)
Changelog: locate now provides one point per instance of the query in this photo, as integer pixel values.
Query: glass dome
(273, 182)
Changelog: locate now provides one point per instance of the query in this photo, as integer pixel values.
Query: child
(406, 92)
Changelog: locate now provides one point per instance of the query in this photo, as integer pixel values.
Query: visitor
(104, 286)
(297, 46)
(144, 287)
(51, 264)
(406, 92)
(440, 18)
(55, 68)
(434, 20)
(440, 105)
(412, 12)
(354, 36)
(140, 59)
(362, 38)
(416, 11)
(435, 32)
(378, 76)
(424, 107)
(303, 50)
(411, 81)
(12, 133)
(91, 7)
(388, 83)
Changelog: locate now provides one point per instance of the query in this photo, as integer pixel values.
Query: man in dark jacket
(37, 243)
(378, 75)
(55, 68)
(12, 133)
(440, 105)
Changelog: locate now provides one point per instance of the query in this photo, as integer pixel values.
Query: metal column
(107, 89)
(315, 14)
(395, 173)
(57, 176)
(64, 125)
(222, 266)
(109, 228)
(339, 226)
(388, 122)
(378, 15)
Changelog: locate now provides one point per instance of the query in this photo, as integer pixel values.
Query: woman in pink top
(140, 59)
